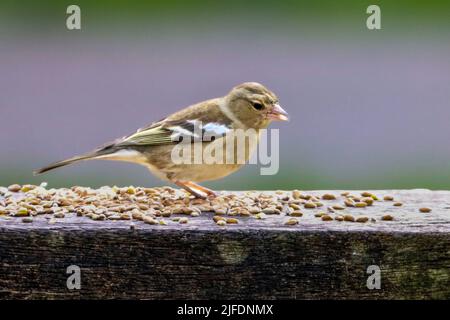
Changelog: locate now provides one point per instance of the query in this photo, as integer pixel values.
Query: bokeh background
(369, 109)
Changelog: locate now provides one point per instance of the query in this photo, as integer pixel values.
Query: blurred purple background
(369, 111)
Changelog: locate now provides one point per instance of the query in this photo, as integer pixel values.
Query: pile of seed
(158, 206)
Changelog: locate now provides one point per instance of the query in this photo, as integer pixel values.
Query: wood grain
(254, 259)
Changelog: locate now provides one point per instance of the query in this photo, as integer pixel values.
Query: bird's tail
(87, 156)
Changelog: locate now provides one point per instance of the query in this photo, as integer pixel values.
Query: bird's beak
(278, 113)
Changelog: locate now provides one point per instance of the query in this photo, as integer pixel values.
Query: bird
(248, 106)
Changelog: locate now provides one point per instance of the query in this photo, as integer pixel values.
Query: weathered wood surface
(255, 259)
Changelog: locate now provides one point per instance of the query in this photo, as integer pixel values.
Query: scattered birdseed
(338, 207)
(232, 220)
(360, 204)
(291, 222)
(397, 204)
(388, 198)
(344, 194)
(326, 217)
(362, 219)
(425, 210)
(387, 217)
(217, 218)
(329, 196)
(339, 218)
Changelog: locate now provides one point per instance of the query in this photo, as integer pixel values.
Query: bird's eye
(257, 106)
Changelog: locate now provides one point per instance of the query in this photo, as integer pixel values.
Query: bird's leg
(195, 189)
(209, 192)
(185, 186)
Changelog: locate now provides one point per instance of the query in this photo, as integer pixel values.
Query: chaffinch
(248, 106)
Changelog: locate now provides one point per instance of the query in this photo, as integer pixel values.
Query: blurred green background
(369, 109)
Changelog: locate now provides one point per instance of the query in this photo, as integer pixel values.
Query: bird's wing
(173, 131)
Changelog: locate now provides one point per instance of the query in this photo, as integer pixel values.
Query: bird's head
(254, 105)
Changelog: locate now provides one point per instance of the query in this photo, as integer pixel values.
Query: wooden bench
(254, 259)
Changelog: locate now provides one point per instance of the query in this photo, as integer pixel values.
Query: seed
(136, 215)
(232, 220)
(99, 217)
(294, 206)
(221, 210)
(425, 210)
(125, 216)
(59, 214)
(291, 222)
(388, 198)
(64, 203)
(254, 210)
(397, 204)
(296, 213)
(22, 212)
(319, 204)
(367, 200)
(360, 204)
(143, 207)
(344, 194)
(338, 207)
(131, 190)
(339, 218)
(195, 214)
(329, 196)
(387, 217)
(149, 220)
(362, 219)
(217, 218)
(349, 217)
(14, 188)
(162, 222)
(114, 217)
(27, 219)
(349, 203)
(310, 205)
(326, 217)
(260, 216)
(296, 194)
(27, 188)
(271, 211)
(221, 223)
(183, 220)
(319, 214)
(366, 194)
